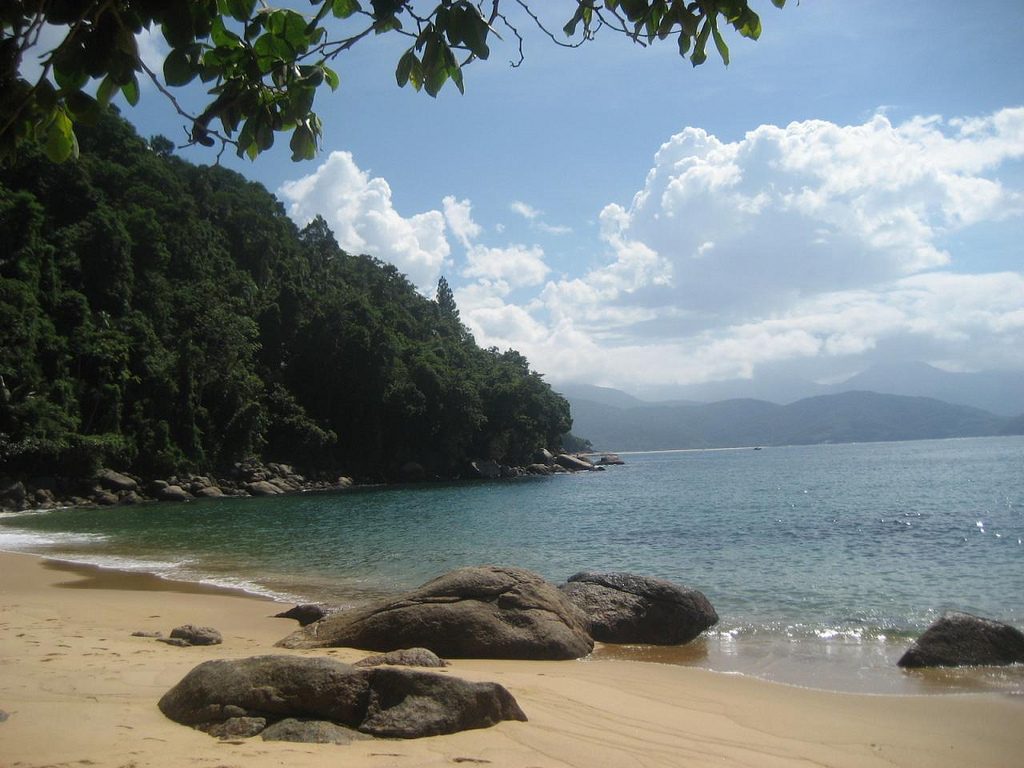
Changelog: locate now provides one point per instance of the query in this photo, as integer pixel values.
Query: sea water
(823, 562)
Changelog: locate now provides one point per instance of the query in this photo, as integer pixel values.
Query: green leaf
(302, 144)
(404, 69)
(331, 77)
(241, 10)
(222, 36)
(130, 91)
(70, 79)
(342, 9)
(473, 31)
(178, 70)
(106, 90)
(699, 55)
(570, 27)
(83, 106)
(270, 50)
(61, 142)
(749, 24)
(723, 49)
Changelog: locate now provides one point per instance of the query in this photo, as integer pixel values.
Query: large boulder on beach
(960, 639)
(478, 612)
(625, 608)
(381, 701)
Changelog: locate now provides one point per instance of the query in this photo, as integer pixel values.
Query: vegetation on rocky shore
(169, 320)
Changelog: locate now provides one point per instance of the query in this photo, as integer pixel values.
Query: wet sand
(79, 690)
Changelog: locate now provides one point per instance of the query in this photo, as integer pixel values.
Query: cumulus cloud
(806, 241)
(513, 266)
(359, 208)
(459, 216)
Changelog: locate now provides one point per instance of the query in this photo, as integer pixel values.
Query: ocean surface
(823, 562)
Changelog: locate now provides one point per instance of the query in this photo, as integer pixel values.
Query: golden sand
(80, 691)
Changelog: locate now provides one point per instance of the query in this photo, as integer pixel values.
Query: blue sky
(849, 190)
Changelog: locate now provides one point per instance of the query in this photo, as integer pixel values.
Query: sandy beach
(79, 690)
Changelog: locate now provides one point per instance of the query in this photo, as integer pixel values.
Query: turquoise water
(822, 561)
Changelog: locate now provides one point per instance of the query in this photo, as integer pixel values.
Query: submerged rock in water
(479, 612)
(625, 608)
(381, 701)
(960, 640)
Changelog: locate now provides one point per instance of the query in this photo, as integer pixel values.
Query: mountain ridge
(854, 416)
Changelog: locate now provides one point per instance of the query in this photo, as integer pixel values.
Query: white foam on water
(17, 540)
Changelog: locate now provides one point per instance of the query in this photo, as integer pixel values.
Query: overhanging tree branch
(264, 66)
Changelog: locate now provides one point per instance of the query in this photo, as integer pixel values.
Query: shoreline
(844, 664)
(69, 660)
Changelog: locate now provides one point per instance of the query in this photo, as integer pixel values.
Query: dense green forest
(162, 317)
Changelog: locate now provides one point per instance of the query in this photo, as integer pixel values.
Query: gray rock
(177, 642)
(543, 456)
(115, 481)
(310, 732)
(147, 633)
(43, 496)
(382, 701)
(539, 469)
(104, 498)
(12, 493)
(344, 482)
(129, 497)
(406, 657)
(263, 488)
(480, 612)
(407, 704)
(273, 687)
(488, 470)
(960, 639)
(194, 635)
(172, 493)
(305, 614)
(610, 459)
(208, 492)
(4, 716)
(573, 463)
(237, 727)
(625, 608)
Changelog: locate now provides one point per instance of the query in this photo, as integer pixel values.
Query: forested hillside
(162, 317)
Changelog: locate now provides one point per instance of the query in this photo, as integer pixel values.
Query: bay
(823, 562)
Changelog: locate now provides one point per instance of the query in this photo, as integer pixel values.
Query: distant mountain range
(615, 421)
(1000, 392)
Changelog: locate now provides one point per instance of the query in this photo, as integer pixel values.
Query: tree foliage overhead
(262, 66)
(164, 317)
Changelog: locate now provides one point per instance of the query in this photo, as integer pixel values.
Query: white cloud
(806, 241)
(359, 209)
(459, 216)
(534, 216)
(514, 265)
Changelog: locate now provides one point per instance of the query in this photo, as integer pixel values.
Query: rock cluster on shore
(249, 478)
(109, 488)
(512, 613)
